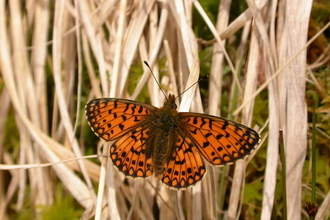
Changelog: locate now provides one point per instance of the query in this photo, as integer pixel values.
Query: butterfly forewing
(112, 118)
(186, 167)
(220, 141)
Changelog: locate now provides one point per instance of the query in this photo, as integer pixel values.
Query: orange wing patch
(112, 118)
(220, 141)
(128, 154)
(186, 168)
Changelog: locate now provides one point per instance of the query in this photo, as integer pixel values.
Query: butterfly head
(170, 102)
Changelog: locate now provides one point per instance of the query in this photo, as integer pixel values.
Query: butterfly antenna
(153, 75)
(205, 77)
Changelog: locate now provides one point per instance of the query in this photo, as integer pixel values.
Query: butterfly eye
(173, 106)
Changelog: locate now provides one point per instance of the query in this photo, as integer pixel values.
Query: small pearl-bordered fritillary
(166, 142)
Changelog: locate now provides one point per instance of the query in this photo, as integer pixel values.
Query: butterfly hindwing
(111, 118)
(128, 154)
(186, 167)
(220, 141)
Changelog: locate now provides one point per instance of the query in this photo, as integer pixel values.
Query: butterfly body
(163, 133)
(165, 142)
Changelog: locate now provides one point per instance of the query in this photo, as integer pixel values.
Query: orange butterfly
(166, 142)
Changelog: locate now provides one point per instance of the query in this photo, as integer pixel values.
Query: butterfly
(171, 145)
